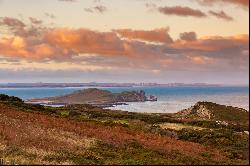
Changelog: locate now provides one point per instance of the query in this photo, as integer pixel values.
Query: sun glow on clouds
(32, 44)
(75, 47)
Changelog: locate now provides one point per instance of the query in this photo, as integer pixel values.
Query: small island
(96, 97)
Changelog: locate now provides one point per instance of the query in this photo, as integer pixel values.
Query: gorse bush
(6, 98)
(225, 139)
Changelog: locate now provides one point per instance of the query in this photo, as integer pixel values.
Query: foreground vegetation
(83, 134)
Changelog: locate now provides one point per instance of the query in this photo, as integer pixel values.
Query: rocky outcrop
(212, 111)
(132, 96)
(198, 110)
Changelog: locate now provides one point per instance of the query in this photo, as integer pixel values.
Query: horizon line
(156, 83)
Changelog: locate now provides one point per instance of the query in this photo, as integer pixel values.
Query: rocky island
(96, 97)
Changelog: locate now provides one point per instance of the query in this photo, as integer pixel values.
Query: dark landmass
(85, 134)
(97, 97)
(94, 84)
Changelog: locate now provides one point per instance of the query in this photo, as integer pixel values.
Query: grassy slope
(227, 113)
(83, 134)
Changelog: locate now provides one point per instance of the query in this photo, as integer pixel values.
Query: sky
(160, 41)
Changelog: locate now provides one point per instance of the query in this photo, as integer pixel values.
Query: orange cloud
(214, 43)
(19, 47)
(86, 41)
(181, 11)
(157, 35)
(69, 45)
(64, 44)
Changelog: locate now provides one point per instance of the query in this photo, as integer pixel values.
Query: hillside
(96, 97)
(84, 134)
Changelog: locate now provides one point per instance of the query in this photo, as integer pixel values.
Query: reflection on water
(177, 104)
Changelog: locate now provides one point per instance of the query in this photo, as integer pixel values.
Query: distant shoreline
(107, 105)
(69, 87)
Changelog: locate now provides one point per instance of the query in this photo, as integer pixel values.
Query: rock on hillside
(199, 110)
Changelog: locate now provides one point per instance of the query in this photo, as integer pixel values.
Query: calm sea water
(170, 99)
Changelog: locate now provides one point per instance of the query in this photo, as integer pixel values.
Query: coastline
(171, 99)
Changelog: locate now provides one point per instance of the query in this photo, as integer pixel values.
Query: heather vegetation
(84, 134)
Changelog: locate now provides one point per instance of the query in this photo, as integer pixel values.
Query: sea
(170, 99)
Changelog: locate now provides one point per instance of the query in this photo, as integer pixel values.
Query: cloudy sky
(189, 41)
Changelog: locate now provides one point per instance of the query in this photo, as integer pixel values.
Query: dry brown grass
(41, 135)
(178, 126)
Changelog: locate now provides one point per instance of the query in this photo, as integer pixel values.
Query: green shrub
(65, 113)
